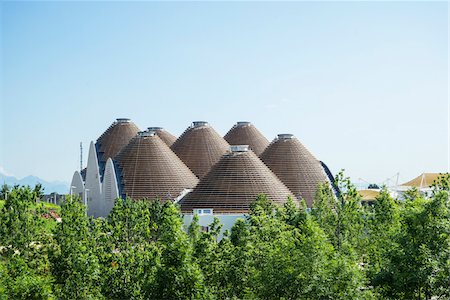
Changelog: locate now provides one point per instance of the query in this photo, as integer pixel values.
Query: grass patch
(51, 206)
(43, 210)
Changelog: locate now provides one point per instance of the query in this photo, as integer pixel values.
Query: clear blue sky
(364, 85)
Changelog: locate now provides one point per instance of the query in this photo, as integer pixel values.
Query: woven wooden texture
(150, 170)
(295, 166)
(117, 136)
(200, 148)
(166, 136)
(245, 133)
(233, 183)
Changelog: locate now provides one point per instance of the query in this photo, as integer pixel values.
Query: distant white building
(423, 183)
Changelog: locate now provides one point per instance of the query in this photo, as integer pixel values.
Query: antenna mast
(81, 156)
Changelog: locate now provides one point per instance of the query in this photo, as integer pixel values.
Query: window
(203, 211)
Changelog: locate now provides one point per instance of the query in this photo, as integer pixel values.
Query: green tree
(178, 276)
(418, 263)
(75, 264)
(281, 252)
(383, 223)
(24, 247)
(20, 223)
(342, 216)
(4, 191)
(215, 259)
(127, 249)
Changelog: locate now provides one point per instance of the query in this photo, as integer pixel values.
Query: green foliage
(75, 263)
(4, 190)
(277, 252)
(21, 282)
(127, 250)
(178, 275)
(383, 223)
(341, 217)
(338, 250)
(417, 263)
(25, 243)
(292, 257)
(20, 223)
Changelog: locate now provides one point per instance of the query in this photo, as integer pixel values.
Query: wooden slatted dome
(148, 169)
(245, 133)
(295, 166)
(163, 134)
(117, 136)
(234, 183)
(200, 147)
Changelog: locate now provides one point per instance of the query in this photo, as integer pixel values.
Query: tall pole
(85, 200)
(81, 156)
(421, 180)
(85, 196)
(72, 187)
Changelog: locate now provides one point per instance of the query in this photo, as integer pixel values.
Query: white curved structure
(100, 195)
(110, 191)
(77, 185)
(93, 190)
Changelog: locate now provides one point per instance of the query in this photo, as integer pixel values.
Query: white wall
(77, 185)
(227, 220)
(92, 184)
(110, 191)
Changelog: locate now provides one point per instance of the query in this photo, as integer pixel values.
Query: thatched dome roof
(148, 169)
(116, 137)
(234, 183)
(200, 147)
(295, 166)
(163, 134)
(245, 133)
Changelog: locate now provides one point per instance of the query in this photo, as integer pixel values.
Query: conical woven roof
(245, 133)
(200, 147)
(116, 137)
(234, 183)
(147, 168)
(163, 134)
(295, 166)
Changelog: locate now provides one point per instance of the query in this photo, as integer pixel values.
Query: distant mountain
(59, 187)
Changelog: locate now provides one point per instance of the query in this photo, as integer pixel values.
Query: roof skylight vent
(123, 120)
(285, 136)
(196, 124)
(154, 128)
(239, 148)
(146, 133)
